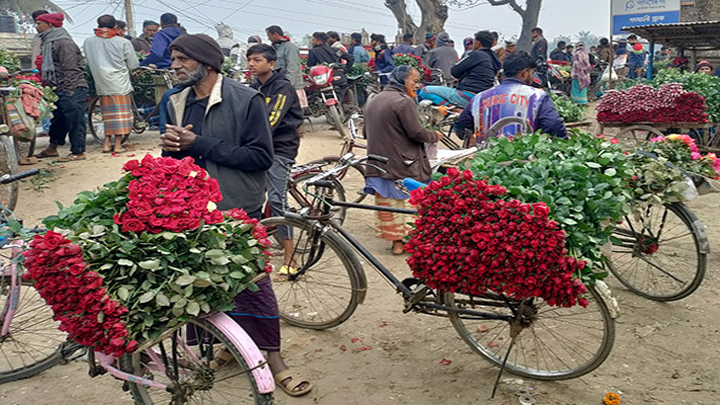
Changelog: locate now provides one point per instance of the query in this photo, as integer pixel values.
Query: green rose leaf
(147, 297)
(150, 264)
(192, 308)
(125, 262)
(184, 280)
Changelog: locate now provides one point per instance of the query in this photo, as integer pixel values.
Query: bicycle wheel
(661, 253)
(553, 343)
(335, 119)
(298, 199)
(352, 179)
(328, 281)
(8, 165)
(33, 343)
(181, 360)
(95, 120)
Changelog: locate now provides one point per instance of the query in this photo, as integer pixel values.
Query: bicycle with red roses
(553, 330)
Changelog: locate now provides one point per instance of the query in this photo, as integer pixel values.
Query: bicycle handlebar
(10, 178)
(345, 162)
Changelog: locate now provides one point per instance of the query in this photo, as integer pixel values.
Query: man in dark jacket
(539, 46)
(143, 43)
(422, 50)
(62, 68)
(286, 116)
(321, 52)
(559, 52)
(478, 70)
(160, 50)
(514, 106)
(406, 47)
(443, 57)
(223, 125)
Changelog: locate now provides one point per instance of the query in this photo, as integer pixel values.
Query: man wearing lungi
(111, 59)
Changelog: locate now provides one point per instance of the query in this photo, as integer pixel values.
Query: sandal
(284, 272)
(28, 161)
(222, 358)
(45, 154)
(295, 381)
(72, 158)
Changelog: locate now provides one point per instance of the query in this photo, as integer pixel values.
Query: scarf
(48, 64)
(398, 77)
(581, 68)
(105, 32)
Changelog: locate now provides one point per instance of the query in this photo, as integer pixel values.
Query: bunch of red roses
(76, 295)
(169, 195)
(643, 103)
(469, 240)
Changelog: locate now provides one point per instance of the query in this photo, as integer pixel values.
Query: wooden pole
(129, 18)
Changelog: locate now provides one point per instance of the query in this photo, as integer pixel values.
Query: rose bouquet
(144, 253)
(470, 239)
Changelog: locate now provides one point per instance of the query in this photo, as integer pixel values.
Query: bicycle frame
(240, 339)
(11, 305)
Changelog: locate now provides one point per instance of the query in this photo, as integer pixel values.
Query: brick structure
(703, 10)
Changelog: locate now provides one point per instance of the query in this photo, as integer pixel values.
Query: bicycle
(30, 342)
(329, 283)
(8, 152)
(141, 117)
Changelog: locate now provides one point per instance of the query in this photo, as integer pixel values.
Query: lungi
(117, 114)
(391, 226)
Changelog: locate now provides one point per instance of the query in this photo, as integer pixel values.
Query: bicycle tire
(34, 343)
(8, 165)
(95, 120)
(353, 184)
(133, 363)
(643, 249)
(494, 348)
(343, 273)
(336, 120)
(298, 198)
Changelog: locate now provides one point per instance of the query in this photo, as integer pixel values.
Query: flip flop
(284, 272)
(71, 158)
(28, 160)
(295, 381)
(44, 155)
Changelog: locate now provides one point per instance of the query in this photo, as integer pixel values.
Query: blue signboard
(631, 13)
(632, 20)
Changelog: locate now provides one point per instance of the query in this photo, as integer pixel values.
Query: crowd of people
(248, 137)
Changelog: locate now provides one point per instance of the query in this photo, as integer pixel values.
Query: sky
(301, 17)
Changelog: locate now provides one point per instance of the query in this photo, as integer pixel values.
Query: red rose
(133, 225)
(53, 239)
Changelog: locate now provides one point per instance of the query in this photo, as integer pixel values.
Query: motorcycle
(550, 78)
(322, 97)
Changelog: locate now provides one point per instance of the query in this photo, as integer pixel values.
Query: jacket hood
(225, 36)
(172, 31)
(443, 39)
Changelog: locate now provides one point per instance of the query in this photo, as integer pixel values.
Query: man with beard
(160, 51)
(143, 43)
(224, 126)
(514, 106)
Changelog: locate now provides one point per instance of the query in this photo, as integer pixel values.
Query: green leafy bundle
(569, 111)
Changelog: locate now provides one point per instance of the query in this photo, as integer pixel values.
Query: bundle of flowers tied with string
(144, 253)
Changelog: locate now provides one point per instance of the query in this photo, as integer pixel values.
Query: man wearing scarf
(111, 59)
(62, 68)
(143, 43)
(393, 130)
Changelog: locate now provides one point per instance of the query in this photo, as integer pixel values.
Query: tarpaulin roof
(703, 35)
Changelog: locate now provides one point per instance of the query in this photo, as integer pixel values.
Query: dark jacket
(69, 71)
(539, 50)
(558, 54)
(477, 71)
(403, 49)
(443, 57)
(384, 63)
(325, 54)
(393, 130)
(285, 113)
(142, 43)
(517, 99)
(421, 51)
(235, 146)
(160, 50)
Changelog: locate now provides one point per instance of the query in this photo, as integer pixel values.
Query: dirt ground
(664, 353)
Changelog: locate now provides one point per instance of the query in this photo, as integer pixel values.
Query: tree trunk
(530, 18)
(434, 14)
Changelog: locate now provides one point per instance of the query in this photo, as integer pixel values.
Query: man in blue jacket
(514, 106)
(357, 50)
(636, 57)
(160, 50)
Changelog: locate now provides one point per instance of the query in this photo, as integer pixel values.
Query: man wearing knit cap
(143, 43)
(160, 49)
(224, 126)
(62, 68)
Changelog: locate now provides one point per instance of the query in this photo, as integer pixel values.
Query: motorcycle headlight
(322, 79)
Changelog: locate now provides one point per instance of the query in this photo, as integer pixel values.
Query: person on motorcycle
(321, 53)
(334, 41)
(558, 54)
(356, 48)
(512, 107)
(539, 46)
